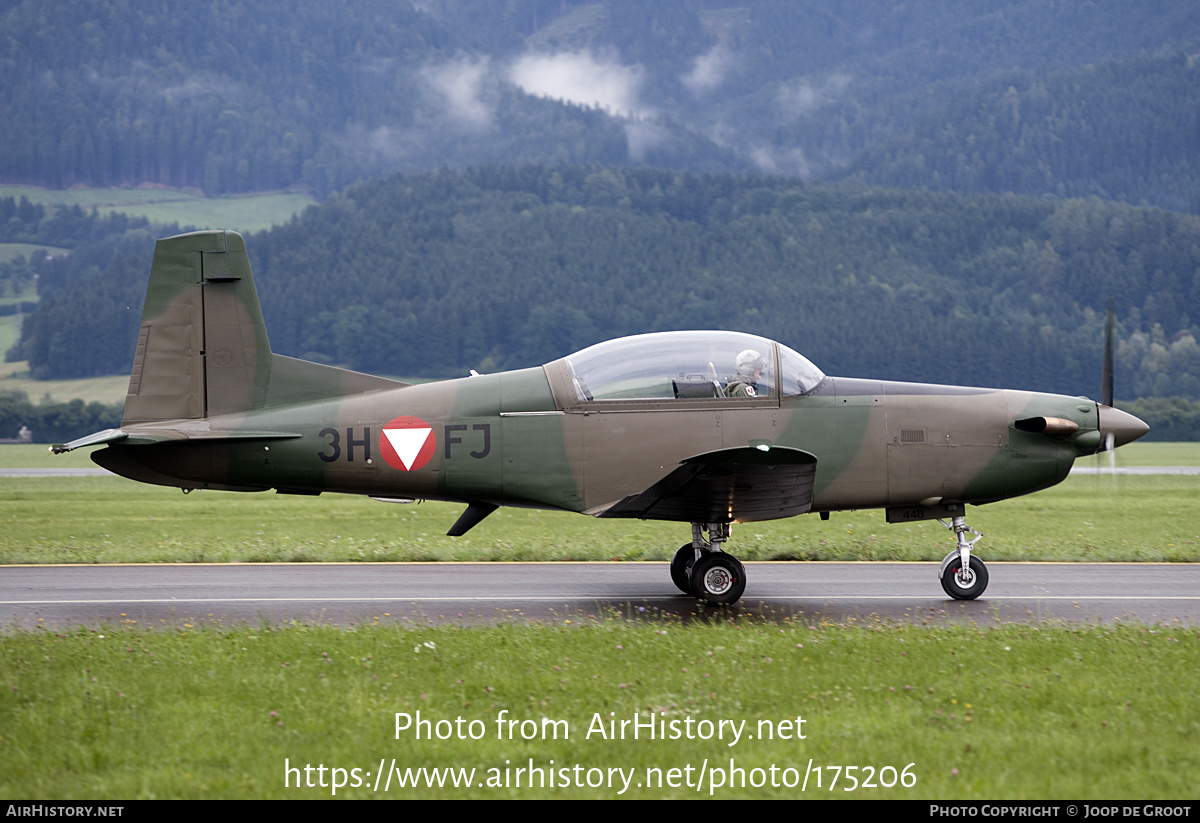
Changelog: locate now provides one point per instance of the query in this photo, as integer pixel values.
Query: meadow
(888, 711)
(208, 710)
(112, 520)
(247, 214)
(159, 205)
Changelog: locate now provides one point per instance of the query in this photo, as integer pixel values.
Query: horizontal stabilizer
(740, 484)
(139, 436)
(97, 439)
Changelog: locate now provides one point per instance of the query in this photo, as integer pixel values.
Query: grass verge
(989, 712)
(112, 520)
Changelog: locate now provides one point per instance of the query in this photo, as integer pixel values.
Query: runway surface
(350, 593)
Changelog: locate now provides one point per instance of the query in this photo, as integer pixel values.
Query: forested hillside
(552, 223)
(500, 267)
(235, 96)
(1125, 131)
(83, 293)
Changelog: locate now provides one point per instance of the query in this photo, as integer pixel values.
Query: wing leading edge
(741, 484)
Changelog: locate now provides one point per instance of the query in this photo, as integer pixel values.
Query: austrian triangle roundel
(407, 443)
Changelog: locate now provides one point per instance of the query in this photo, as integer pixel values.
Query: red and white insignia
(407, 443)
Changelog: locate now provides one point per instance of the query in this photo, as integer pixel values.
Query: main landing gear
(702, 570)
(963, 576)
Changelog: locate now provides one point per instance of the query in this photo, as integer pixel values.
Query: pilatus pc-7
(709, 428)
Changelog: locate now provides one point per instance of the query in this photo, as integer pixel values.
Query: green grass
(11, 251)
(15, 377)
(8, 336)
(88, 198)
(988, 711)
(107, 519)
(245, 214)
(1149, 454)
(984, 712)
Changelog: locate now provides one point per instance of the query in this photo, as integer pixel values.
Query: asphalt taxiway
(357, 593)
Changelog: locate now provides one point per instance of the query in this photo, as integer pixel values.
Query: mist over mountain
(506, 182)
(236, 96)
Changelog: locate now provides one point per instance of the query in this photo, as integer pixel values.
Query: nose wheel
(963, 582)
(963, 575)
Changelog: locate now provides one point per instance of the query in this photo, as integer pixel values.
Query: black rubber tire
(978, 583)
(679, 567)
(718, 579)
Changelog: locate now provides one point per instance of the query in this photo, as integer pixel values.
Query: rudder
(202, 347)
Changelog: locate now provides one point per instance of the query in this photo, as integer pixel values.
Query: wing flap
(740, 484)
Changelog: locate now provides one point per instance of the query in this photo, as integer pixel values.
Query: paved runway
(155, 595)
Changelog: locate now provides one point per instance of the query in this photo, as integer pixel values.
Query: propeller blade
(1106, 385)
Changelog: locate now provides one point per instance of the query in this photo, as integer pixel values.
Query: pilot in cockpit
(750, 367)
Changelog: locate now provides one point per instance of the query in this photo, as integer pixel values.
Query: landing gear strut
(702, 569)
(963, 576)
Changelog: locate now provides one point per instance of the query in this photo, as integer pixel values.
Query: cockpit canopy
(690, 365)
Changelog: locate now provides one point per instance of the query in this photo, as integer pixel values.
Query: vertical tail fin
(202, 348)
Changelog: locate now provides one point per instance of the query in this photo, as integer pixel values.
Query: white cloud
(458, 85)
(709, 70)
(642, 137)
(803, 97)
(776, 160)
(580, 77)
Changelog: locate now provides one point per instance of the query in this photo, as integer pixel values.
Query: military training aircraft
(709, 428)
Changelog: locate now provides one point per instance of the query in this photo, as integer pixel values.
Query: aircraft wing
(740, 484)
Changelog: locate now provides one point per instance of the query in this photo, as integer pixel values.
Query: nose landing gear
(963, 576)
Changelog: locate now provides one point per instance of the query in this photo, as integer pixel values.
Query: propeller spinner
(1116, 426)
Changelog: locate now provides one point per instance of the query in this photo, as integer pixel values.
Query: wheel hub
(718, 581)
(964, 577)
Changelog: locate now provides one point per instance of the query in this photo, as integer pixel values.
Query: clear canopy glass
(690, 365)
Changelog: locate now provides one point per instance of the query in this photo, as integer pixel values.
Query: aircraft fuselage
(505, 439)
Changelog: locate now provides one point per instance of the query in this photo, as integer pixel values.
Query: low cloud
(582, 78)
(777, 160)
(458, 87)
(709, 70)
(802, 97)
(643, 137)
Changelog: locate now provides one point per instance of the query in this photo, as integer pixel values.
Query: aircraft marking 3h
(708, 428)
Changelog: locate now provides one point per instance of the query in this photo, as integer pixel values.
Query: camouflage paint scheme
(211, 407)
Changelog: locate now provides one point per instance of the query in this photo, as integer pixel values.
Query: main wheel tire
(718, 579)
(966, 586)
(679, 567)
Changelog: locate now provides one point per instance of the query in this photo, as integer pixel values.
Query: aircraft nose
(1124, 427)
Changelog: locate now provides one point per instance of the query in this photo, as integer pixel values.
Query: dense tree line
(1118, 130)
(1171, 419)
(22, 221)
(51, 422)
(235, 96)
(249, 97)
(83, 292)
(500, 267)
